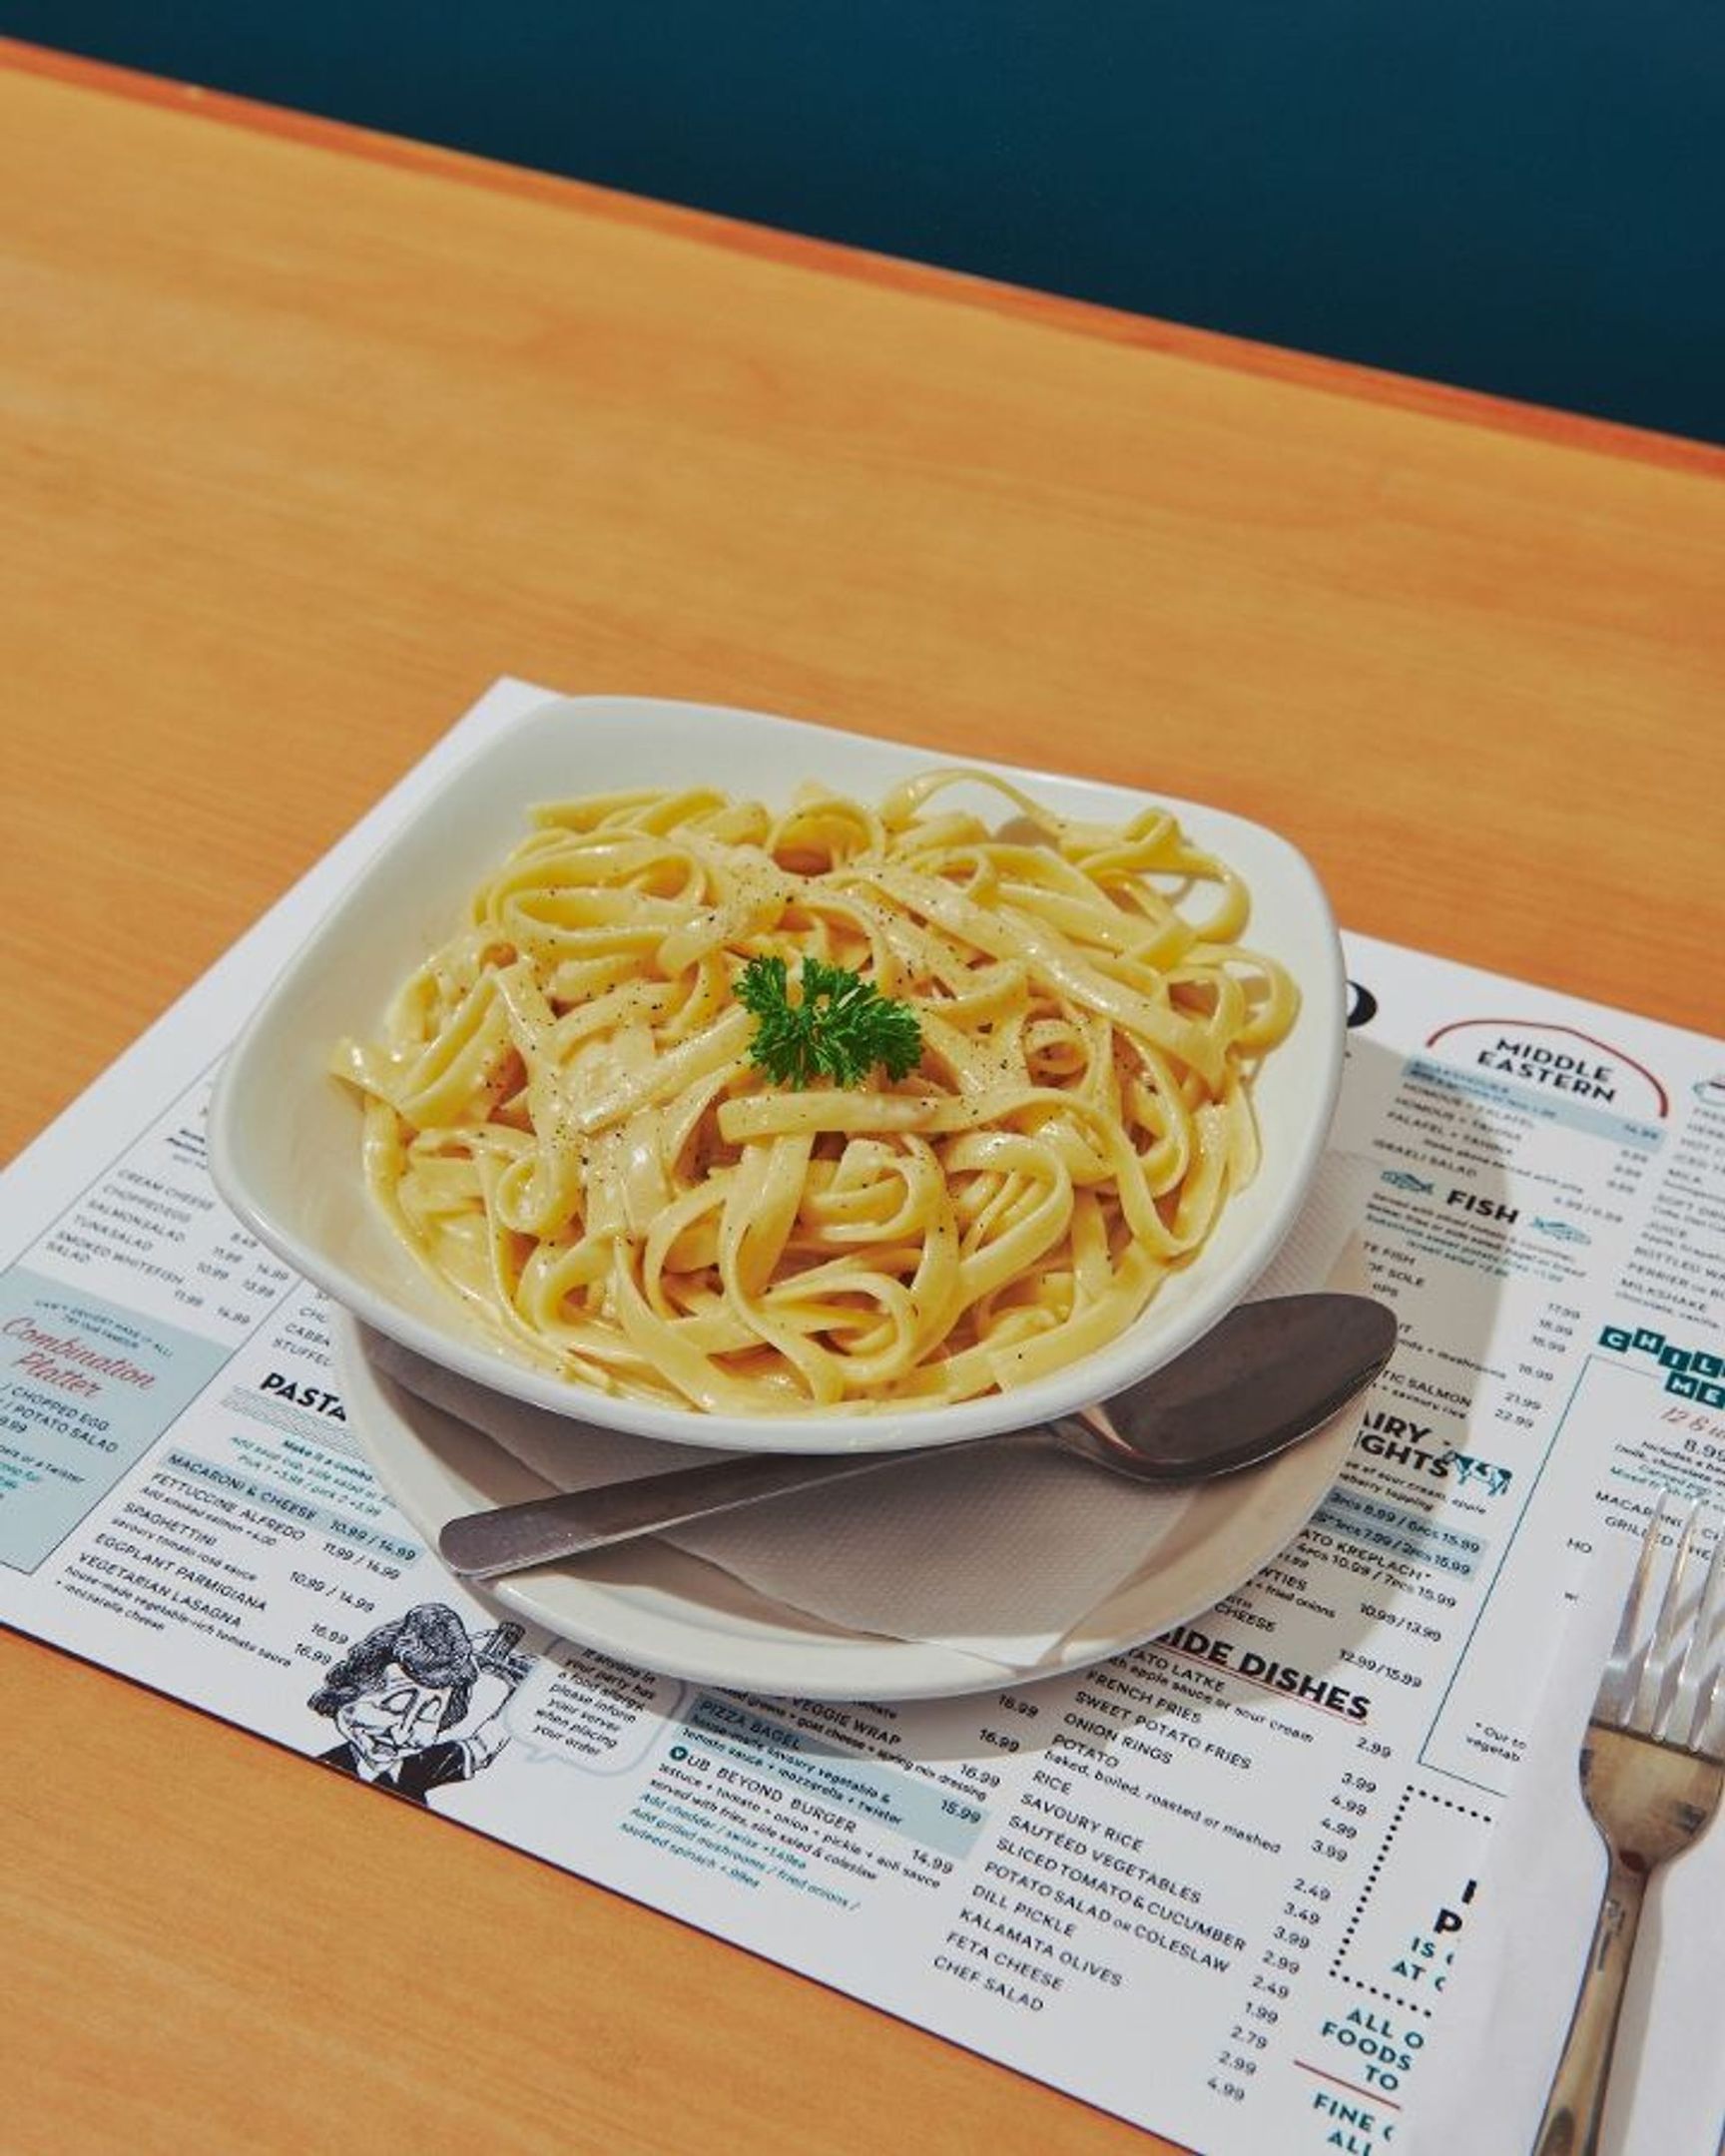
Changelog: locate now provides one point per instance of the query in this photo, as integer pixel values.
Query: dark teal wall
(1514, 194)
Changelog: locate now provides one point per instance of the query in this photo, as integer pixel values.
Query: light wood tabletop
(308, 436)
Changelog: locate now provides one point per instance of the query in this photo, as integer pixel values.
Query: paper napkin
(997, 1558)
(1514, 1987)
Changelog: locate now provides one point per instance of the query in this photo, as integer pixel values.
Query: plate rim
(1265, 1507)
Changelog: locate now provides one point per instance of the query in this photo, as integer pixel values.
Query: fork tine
(1700, 1666)
(1618, 1685)
(1653, 1703)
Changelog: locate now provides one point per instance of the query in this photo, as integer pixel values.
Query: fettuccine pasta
(564, 1123)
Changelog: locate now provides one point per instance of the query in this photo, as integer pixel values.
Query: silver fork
(1652, 1767)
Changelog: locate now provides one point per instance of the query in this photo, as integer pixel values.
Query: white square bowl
(284, 1133)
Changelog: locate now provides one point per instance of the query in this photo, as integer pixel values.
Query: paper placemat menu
(1220, 1884)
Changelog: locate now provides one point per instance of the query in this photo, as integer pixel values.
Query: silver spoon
(1269, 1374)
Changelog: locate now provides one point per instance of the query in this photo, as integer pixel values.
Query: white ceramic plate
(285, 1134)
(661, 1609)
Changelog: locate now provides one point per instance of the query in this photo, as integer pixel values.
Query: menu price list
(1068, 1901)
(1218, 1883)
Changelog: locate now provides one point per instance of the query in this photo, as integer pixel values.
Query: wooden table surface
(308, 436)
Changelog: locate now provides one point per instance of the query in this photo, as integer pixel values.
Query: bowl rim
(462, 1346)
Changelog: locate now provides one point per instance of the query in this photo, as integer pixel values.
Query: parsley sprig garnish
(840, 1027)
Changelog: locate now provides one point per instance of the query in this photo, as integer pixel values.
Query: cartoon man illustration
(395, 1692)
